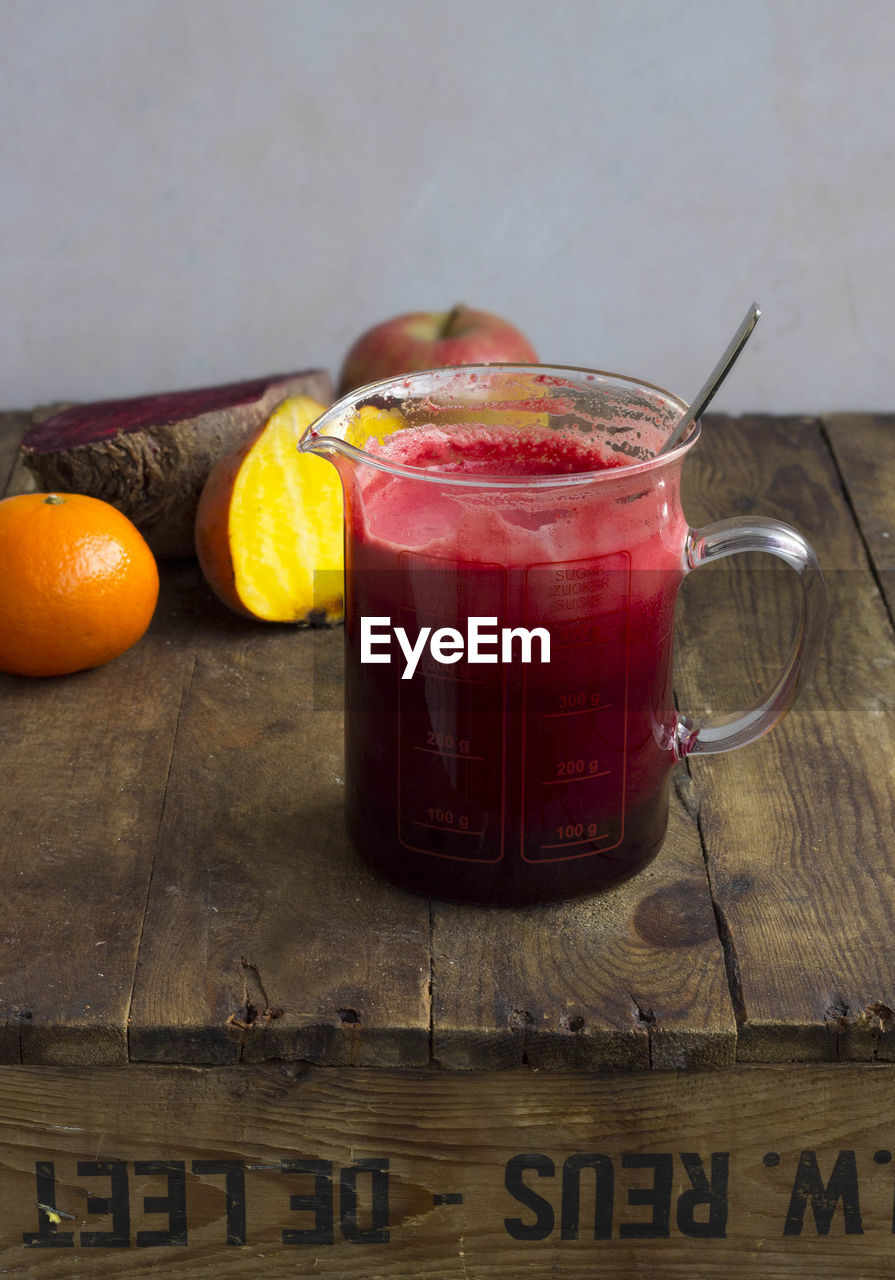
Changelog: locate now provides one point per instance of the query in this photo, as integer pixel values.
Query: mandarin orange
(78, 583)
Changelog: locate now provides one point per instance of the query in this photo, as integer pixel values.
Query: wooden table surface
(178, 888)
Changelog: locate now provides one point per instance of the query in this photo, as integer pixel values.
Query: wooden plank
(627, 979)
(12, 427)
(760, 1172)
(798, 828)
(77, 862)
(631, 978)
(863, 445)
(84, 760)
(265, 937)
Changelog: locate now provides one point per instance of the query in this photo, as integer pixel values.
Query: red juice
(510, 781)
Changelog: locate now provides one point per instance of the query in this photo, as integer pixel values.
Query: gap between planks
(184, 698)
(824, 424)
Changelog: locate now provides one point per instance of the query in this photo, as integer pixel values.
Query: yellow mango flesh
(285, 524)
(370, 423)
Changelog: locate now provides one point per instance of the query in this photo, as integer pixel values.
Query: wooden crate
(228, 1050)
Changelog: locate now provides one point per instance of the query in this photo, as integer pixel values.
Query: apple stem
(452, 317)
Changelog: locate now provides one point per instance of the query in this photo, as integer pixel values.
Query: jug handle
(715, 734)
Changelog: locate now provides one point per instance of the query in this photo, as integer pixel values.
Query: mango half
(269, 525)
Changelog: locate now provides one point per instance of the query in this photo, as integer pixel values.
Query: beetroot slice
(84, 423)
(149, 456)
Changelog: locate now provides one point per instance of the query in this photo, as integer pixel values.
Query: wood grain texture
(84, 760)
(863, 445)
(798, 827)
(447, 1143)
(632, 978)
(265, 937)
(12, 427)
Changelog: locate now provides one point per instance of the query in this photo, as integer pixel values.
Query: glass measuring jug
(513, 553)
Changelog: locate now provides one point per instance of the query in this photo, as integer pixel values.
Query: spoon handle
(716, 377)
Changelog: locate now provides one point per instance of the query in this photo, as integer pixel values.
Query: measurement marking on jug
(578, 777)
(581, 770)
(579, 711)
(447, 755)
(442, 744)
(457, 831)
(570, 844)
(438, 801)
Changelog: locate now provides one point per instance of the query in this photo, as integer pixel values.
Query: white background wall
(200, 190)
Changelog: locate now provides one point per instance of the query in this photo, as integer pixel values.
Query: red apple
(432, 340)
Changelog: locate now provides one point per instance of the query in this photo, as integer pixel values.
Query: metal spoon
(715, 378)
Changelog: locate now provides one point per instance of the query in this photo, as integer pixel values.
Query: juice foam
(497, 452)
(515, 526)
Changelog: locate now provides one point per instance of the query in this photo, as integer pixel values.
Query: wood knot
(837, 1012)
(677, 916)
(885, 1015)
(251, 1018)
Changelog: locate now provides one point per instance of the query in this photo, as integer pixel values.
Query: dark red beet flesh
(103, 419)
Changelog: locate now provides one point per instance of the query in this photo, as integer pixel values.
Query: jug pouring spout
(315, 441)
(350, 430)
